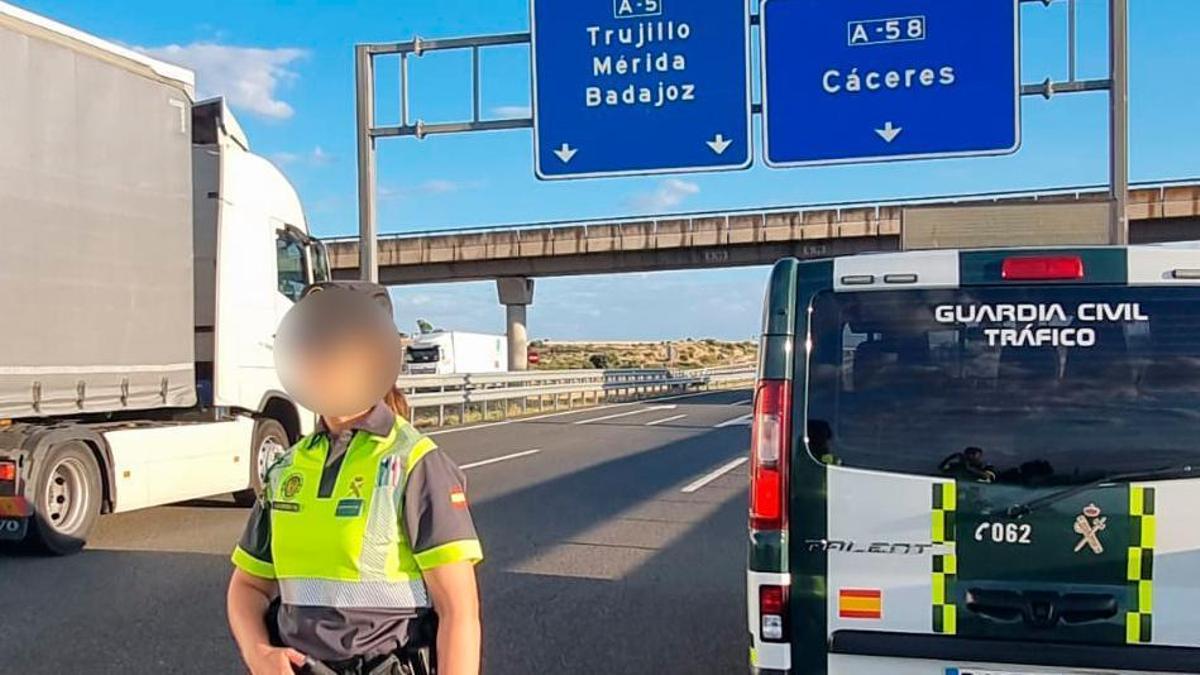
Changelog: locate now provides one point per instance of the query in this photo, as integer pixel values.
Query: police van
(978, 463)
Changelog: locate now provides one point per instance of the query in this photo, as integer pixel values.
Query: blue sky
(288, 69)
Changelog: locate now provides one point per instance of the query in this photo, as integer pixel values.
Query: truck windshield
(424, 354)
(320, 262)
(1027, 385)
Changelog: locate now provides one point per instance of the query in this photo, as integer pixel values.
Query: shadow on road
(679, 610)
(115, 612)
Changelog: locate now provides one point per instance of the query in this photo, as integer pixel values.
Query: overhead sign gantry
(635, 87)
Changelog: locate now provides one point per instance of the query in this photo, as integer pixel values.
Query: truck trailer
(148, 256)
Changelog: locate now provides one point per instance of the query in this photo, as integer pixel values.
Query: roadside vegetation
(689, 353)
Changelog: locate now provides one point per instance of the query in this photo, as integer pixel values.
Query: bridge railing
(484, 395)
(1148, 200)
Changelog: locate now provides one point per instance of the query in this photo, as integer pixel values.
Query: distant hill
(703, 353)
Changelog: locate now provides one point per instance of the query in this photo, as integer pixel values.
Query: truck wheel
(269, 443)
(66, 498)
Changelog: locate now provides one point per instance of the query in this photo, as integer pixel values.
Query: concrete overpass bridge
(515, 254)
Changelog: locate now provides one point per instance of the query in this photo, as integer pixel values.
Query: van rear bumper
(1143, 658)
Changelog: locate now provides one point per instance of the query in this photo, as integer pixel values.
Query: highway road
(614, 539)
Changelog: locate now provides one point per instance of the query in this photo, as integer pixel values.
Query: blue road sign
(625, 87)
(874, 80)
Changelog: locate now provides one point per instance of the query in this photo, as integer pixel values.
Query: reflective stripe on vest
(358, 594)
(349, 549)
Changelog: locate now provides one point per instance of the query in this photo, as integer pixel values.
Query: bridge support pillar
(516, 294)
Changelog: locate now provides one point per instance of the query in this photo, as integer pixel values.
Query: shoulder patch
(284, 460)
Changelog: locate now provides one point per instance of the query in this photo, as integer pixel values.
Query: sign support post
(368, 227)
(1118, 96)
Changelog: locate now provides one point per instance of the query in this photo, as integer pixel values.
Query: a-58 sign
(889, 79)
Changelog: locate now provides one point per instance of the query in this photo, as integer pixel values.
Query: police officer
(969, 465)
(359, 556)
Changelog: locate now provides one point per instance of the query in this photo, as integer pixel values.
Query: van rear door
(991, 473)
(967, 434)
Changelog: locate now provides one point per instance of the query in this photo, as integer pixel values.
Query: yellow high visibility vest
(348, 549)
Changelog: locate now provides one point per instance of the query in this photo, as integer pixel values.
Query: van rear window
(1029, 385)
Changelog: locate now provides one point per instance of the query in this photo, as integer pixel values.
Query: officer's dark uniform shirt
(435, 519)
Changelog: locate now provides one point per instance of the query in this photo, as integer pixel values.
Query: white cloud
(431, 187)
(512, 111)
(319, 157)
(248, 77)
(469, 306)
(438, 186)
(670, 193)
(315, 157)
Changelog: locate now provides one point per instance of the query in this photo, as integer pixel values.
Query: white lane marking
(742, 421)
(745, 402)
(665, 420)
(708, 478)
(639, 411)
(505, 458)
(594, 408)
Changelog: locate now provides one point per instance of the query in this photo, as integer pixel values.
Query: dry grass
(689, 353)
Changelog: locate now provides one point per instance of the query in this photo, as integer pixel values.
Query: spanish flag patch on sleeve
(458, 497)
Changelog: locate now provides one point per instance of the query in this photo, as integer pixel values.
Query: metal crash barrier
(540, 391)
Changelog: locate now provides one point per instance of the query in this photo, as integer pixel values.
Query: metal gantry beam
(368, 132)
(1117, 86)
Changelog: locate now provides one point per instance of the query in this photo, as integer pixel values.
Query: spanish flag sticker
(859, 603)
(458, 498)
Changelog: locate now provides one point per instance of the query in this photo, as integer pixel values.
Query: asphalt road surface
(614, 542)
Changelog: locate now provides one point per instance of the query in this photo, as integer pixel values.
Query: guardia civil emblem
(1089, 525)
(292, 485)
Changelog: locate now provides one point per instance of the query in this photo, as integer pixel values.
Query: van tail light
(769, 446)
(1042, 268)
(772, 612)
(8, 472)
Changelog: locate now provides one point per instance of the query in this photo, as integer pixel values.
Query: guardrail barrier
(547, 389)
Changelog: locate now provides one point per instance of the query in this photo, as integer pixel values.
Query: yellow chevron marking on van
(945, 565)
(1140, 568)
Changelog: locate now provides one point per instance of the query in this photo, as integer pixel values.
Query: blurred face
(337, 353)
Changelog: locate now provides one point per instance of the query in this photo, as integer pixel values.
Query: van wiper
(1025, 508)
